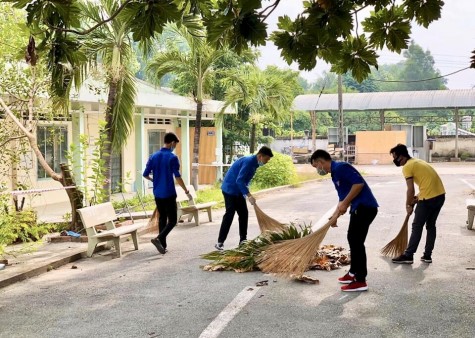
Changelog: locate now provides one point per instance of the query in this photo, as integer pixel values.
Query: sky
(450, 41)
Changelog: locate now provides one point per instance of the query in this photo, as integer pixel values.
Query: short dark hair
(265, 151)
(320, 154)
(170, 137)
(400, 150)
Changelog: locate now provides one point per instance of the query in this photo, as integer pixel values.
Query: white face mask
(260, 163)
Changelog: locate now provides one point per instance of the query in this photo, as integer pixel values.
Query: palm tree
(110, 49)
(188, 55)
(266, 95)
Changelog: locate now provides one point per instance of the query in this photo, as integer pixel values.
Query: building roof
(375, 101)
(155, 101)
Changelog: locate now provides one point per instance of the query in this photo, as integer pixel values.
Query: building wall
(373, 146)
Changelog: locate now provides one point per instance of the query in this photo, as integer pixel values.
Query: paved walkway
(47, 256)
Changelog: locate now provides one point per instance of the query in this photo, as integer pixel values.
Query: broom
(398, 245)
(153, 221)
(267, 223)
(293, 257)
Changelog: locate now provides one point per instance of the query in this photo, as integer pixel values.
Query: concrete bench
(471, 212)
(105, 214)
(193, 209)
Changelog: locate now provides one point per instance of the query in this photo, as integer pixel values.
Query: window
(53, 144)
(155, 140)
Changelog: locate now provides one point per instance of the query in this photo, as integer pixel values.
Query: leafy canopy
(326, 29)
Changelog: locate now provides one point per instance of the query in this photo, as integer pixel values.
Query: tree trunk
(252, 146)
(75, 197)
(107, 151)
(313, 121)
(196, 145)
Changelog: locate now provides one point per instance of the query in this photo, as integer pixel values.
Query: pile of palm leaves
(244, 258)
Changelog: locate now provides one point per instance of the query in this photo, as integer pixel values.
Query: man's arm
(181, 183)
(410, 195)
(354, 191)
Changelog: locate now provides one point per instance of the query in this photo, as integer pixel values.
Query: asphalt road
(145, 294)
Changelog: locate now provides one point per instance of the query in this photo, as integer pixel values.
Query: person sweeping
(355, 194)
(429, 202)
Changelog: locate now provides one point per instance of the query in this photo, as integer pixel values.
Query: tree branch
(87, 31)
(11, 139)
(273, 6)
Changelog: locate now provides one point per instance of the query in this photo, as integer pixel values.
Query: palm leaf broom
(267, 223)
(153, 221)
(293, 257)
(398, 245)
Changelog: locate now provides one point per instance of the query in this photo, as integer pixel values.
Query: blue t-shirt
(163, 165)
(344, 175)
(239, 175)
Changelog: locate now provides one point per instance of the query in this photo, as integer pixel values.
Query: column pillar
(185, 149)
(140, 145)
(219, 148)
(78, 130)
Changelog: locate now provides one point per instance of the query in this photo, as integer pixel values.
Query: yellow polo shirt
(426, 178)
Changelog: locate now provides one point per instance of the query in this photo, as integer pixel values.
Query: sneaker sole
(345, 281)
(403, 262)
(364, 288)
(426, 261)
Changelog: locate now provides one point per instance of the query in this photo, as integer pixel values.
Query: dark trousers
(360, 220)
(234, 204)
(426, 213)
(167, 219)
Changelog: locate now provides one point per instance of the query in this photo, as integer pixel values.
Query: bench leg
(135, 239)
(91, 246)
(117, 246)
(471, 216)
(209, 215)
(197, 217)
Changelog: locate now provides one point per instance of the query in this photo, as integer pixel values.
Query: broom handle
(407, 218)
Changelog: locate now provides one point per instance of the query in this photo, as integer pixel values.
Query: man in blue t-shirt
(235, 190)
(353, 193)
(164, 165)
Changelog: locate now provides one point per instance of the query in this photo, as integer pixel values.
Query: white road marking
(466, 182)
(230, 311)
(324, 219)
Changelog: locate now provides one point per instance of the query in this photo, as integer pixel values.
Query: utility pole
(341, 132)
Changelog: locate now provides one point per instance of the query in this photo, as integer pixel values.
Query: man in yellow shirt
(429, 201)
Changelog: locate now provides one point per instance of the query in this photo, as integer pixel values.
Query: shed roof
(407, 100)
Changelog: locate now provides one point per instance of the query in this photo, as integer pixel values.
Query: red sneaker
(355, 286)
(346, 279)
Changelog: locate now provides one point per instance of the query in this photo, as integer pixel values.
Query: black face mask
(397, 162)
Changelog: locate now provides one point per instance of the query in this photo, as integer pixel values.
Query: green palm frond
(123, 111)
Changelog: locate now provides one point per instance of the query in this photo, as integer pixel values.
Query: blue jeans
(426, 213)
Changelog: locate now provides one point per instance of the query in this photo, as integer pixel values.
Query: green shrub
(21, 227)
(279, 171)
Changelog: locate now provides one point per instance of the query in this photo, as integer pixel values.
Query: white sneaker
(219, 246)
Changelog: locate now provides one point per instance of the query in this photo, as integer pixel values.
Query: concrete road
(145, 294)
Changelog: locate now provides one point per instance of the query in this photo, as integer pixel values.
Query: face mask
(172, 148)
(321, 171)
(260, 163)
(397, 162)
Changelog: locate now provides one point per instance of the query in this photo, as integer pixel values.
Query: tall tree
(188, 56)
(109, 48)
(264, 94)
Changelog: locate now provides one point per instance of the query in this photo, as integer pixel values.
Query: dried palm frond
(267, 223)
(293, 257)
(398, 245)
(153, 221)
(244, 257)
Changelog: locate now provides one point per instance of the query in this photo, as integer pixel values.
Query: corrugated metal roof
(409, 100)
(150, 96)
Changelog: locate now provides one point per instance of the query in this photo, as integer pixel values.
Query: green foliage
(280, 170)
(244, 257)
(92, 165)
